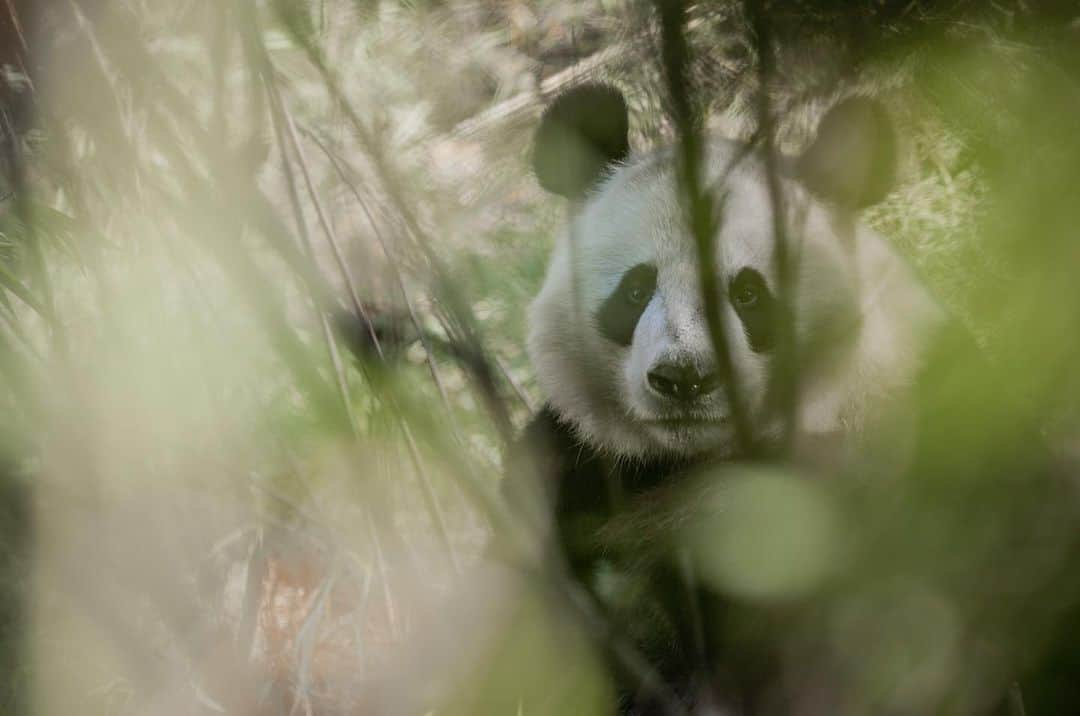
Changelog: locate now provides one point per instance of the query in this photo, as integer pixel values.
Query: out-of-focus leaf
(296, 16)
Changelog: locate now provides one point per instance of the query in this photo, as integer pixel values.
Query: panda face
(618, 335)
(618, 332)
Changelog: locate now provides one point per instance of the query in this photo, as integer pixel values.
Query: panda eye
(748, 289)
(638, 295)
(747, 296)
(638, 285)
(619, 314)
(753, 303)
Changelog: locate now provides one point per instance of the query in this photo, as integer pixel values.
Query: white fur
(841, 267)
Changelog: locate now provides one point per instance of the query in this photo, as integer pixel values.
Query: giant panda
(618, 339)
(617, 334)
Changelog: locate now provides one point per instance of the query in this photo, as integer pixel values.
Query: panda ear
(582, 133)
(852, 161)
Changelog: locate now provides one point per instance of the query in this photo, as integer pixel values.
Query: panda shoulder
(546, 454)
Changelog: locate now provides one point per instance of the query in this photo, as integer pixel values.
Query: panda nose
(681, 382)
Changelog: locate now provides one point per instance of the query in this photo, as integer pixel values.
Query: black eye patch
(619, 314)
(756, 308)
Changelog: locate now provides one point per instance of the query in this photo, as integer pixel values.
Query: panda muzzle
(683, 383)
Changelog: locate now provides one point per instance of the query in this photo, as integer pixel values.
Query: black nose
(681, 382)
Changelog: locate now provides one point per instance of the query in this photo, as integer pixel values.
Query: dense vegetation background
(263, 269)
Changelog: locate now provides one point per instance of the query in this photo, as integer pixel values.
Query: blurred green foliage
(205, 188)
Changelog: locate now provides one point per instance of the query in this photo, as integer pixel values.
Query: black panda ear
(582, 133)
(852, 161)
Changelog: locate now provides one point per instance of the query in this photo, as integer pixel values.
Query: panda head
(618, 335)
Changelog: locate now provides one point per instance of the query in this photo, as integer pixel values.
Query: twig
(527, 104)
(465, 332)
(307, 636)
(698, 205)
(519, 391)
(306, 245)
(338, 164)
(253, 596)
(414, 317)
(328, 230)
(785, 384)
(431, 500)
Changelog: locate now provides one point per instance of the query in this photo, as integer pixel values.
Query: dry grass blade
(308, 636)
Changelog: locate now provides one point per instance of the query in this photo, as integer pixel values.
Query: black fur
(582, 133)
(619, 314)
(852, 160)
(755, 306)
(584, 487)
(588, 492)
